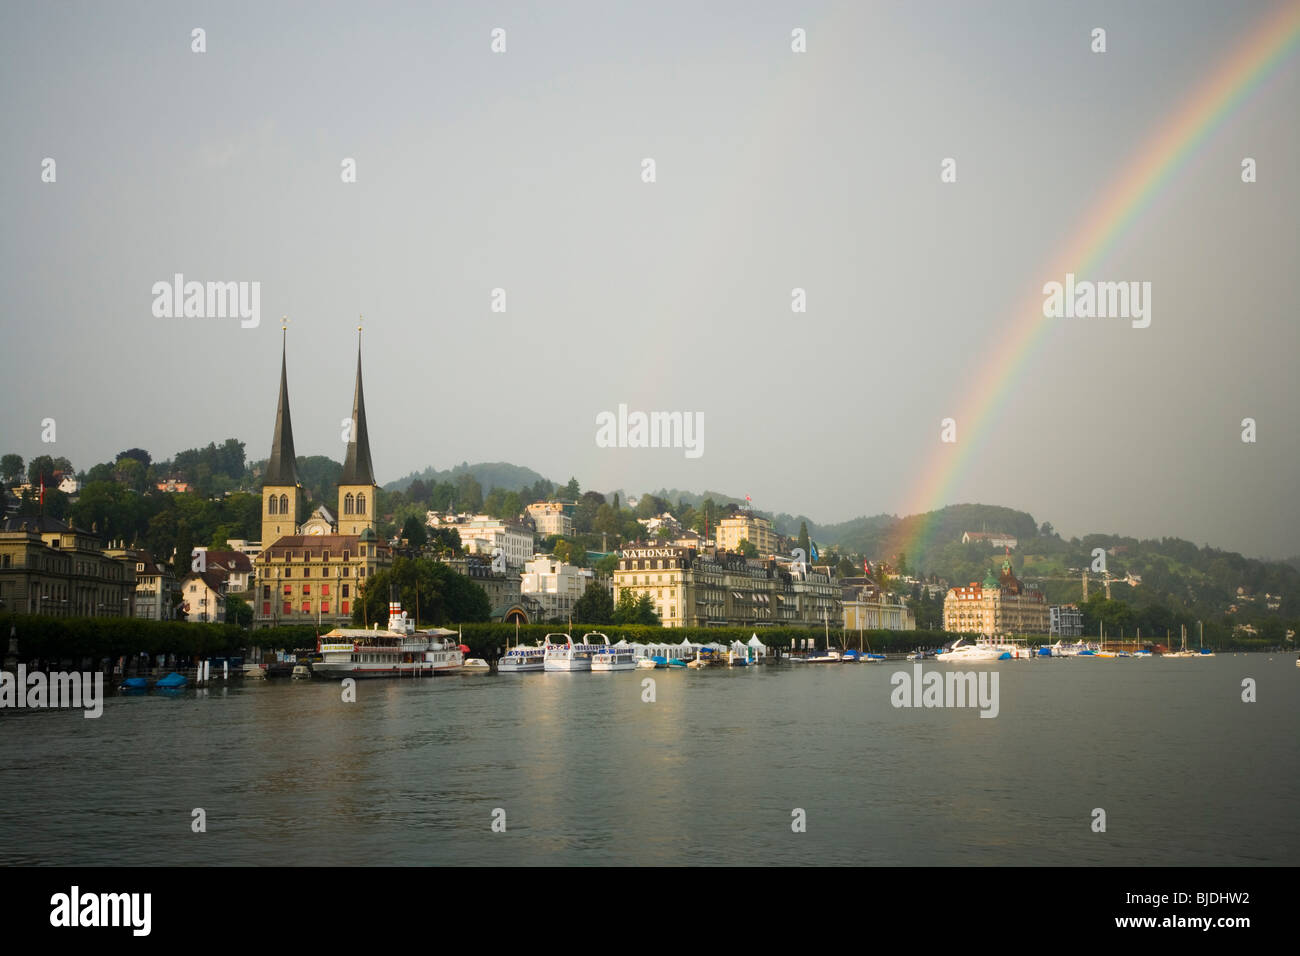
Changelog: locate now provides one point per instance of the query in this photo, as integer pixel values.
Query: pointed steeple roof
(282, 469)
(357, 469)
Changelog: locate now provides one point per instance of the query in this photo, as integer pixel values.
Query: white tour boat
(566, 655)
(522, 660)
(611, 657)
(399, 651)
(984, 649)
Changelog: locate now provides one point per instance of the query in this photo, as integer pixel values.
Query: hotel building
(745, 527)
(701, 589)
(48, 567)
(998, 606)
(867, 607)
(483, 534)
(551, 517)
(1066, 620)
(157, 592)
(555, 585)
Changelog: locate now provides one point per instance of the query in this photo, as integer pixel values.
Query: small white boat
(523, 660)
(982, 650)
(648, 664)
(254, 672)
(475, 665)
(612, 657)
(301, 672)
(568, 656)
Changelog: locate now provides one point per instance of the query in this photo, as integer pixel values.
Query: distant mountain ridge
(489, 474)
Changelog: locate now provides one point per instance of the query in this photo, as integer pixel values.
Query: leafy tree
(803, 539)
(11, 468)
(568, 551)
(747, 549)
(139, 454)
(238, 611)
(445, 542)
(645, 611)
(130, 472)
(572, 490)
(596, 606)
(607, 565)
(429, 590)
(493, 502)
(606, 520)
(38, 467)
(632, 609)
(706, 520)
(584, 515)
(415, 532)
(625, 609)
(418, 491)
(650, 506)
(468, 493)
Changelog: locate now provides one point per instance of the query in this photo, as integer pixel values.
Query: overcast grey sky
(775, 170)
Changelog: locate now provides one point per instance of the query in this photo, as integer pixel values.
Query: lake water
(709, 773)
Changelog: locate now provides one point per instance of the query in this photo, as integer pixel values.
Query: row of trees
(596, 606)
(430, 591)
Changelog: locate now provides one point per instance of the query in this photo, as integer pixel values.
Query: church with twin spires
(314, 572)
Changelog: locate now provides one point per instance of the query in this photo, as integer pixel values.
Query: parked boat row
(594, 652)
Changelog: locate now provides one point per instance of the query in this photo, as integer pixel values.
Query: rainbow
(1156, 166)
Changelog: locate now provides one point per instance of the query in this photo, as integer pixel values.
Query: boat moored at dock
(399, 651)
(612, 657)
(523, 660)
(963, 651)
(566, 655)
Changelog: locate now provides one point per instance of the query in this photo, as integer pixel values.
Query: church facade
(316, 571)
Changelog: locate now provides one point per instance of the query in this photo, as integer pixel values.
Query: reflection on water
(709, 773)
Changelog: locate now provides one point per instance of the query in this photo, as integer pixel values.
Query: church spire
(357, 469)
(282, 469)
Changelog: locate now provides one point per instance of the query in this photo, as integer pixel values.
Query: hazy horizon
(775, 170)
